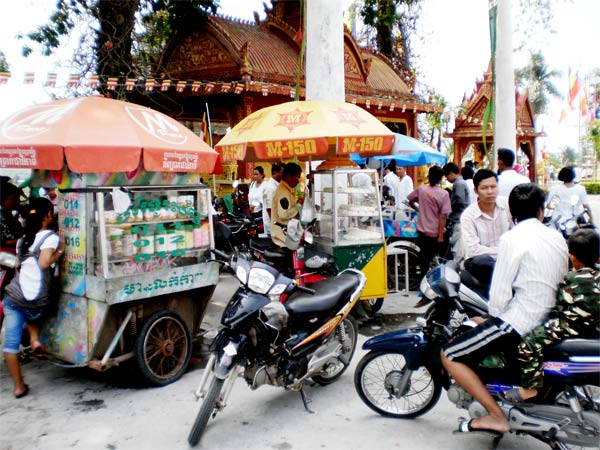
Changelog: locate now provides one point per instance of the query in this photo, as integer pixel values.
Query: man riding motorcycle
(531, 262)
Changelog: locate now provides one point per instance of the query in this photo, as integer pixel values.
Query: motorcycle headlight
(427, 290)
(260, 280)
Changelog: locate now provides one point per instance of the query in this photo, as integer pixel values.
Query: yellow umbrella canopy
(309, 129)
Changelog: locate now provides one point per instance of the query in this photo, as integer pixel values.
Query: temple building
(468, 127)
(232, 68)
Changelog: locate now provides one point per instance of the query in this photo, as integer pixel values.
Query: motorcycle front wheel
(206, 410)
(377, 376)
(335, 368)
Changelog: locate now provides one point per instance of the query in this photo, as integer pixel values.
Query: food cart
(350, 225)
(136, 276)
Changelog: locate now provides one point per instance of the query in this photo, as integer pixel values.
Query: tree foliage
(569, 156)
(129, 37)
(389, 26)
(4, 67)
(536, 78)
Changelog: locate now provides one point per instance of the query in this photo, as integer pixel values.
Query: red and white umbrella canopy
(98, 134)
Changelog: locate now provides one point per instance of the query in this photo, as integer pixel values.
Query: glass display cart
(349, 223)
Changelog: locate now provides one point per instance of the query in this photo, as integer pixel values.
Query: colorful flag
(112, 83)
(51, 80)
(29, 78)
(73, 81)
(149, 84)
(93, 81)
(130, 84)
(574, 88)
(4, 76)
(180, 86)
(204, 130)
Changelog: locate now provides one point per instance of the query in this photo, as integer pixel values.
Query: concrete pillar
(504, 98)
(325, 50)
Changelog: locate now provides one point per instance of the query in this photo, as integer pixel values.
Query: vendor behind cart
(285, 206)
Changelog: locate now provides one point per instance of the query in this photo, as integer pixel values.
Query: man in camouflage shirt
(576, 313)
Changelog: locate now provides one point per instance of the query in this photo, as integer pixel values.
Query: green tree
(569, 156)
(129, 36)
(536, 78)
(4, 67)
(389, 25)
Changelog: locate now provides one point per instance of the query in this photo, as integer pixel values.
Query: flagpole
(210, 142)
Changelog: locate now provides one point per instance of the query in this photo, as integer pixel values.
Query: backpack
(14, 292)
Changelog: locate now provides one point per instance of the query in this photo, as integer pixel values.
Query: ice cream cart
(136, 276)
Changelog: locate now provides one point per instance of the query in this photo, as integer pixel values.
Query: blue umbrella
(408, 151)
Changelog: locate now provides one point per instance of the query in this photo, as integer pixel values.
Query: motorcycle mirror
(308, 237)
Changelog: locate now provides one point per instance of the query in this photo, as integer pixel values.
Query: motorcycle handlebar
(218, 252)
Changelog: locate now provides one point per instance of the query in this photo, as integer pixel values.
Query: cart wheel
(163, 348)
(372, 305)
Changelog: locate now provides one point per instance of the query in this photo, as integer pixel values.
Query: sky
(453, 50)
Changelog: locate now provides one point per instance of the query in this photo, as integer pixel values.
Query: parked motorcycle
(298, 260)
(402, 375)
(310, 337)
(233, 232)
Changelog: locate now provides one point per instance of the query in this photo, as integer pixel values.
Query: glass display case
(147, 228)
(348, 207)
(349, 225)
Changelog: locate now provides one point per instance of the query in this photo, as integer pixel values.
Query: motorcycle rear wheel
(335, 369)
(375, 370)
(206, 410)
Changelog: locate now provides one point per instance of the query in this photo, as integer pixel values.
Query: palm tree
(536, 78)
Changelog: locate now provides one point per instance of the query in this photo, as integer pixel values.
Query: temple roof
(264, 55)
(469, 121)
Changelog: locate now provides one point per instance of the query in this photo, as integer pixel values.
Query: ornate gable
(198, 50)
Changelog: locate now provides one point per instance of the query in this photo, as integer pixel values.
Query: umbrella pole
(214, 177)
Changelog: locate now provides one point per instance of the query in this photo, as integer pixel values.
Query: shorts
(491, 337)
(15, 319)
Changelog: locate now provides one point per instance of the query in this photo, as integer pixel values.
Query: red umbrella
(98, 134)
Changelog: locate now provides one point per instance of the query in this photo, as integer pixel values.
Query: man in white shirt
(390, 179)
(406, 184)
(268, 192)
(508, 177)
(482, 224)
(532, 260)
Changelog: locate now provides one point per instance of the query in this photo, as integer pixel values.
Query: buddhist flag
(204, 130)
(574, 88)
(583, 104)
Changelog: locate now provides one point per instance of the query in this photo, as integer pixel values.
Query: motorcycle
(567, 225)
(307, 264)
(233, 232)
(310, 337)
(402, 375)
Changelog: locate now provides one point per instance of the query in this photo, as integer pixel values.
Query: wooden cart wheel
(163, 348)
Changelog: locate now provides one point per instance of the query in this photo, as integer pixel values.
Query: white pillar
(325, 50)
(505, 124)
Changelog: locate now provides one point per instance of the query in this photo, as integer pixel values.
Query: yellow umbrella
(308, 129)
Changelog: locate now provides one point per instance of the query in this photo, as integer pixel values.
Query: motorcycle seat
(260, 244)
(574, 347)
(328, 294)
(473, 283)
(274, 253)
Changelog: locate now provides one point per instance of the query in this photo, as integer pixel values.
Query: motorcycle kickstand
(306, 400)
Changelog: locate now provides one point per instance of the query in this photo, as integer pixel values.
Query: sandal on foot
(24, 393)
(465, 426)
